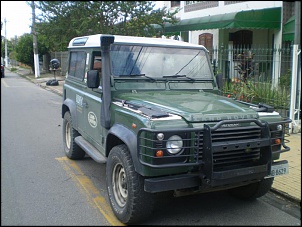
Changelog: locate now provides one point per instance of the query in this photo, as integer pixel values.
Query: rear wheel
(72, 150)
(254, 190)
(129, 202)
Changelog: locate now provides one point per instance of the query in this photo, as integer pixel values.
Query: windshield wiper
(138, 75)
(178, 76)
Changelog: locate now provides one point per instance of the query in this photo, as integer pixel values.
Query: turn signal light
(159, 153)
(277, 141)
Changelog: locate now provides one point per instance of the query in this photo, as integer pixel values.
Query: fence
(256, 75)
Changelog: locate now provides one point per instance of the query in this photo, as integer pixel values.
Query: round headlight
(160, 136)
(174, 144)
(279, 127)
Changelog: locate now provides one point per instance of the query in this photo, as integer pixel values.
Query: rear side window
(77, 64)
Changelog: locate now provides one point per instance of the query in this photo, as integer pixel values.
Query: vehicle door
(92, 105)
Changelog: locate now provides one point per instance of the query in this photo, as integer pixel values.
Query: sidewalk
(288, 186)
(44, 77)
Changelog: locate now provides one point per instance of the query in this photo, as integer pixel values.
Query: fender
(129, 138)
(70, 104)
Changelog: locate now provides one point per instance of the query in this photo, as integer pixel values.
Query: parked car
(151, 109)
(2, 71)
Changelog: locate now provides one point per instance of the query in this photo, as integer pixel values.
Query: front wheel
(72, 150)
(254, 190)
(128, 200)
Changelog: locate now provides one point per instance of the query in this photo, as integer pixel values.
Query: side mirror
(93, 79)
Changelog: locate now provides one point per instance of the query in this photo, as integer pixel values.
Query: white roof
(94, 41)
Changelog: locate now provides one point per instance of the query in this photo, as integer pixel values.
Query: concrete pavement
(288, 186)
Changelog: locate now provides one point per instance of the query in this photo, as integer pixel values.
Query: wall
(222, 8)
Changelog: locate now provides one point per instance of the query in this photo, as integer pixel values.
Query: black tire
(128, 200)
(72, 150)
(254, 190)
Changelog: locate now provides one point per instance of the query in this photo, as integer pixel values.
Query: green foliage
(60, 21)
(9, 47)
(2, 48)
(256, 92)
(285, 80)
(24, 49)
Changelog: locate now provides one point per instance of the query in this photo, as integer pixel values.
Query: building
(213, 23)
(232, 25)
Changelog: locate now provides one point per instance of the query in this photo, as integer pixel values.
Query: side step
(90, 150)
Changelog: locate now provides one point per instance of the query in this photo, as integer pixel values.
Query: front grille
(233, 143)
(220, 147)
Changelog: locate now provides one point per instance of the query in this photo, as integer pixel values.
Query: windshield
(159, 62)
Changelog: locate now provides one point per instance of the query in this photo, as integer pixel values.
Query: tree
(24, 49)
(9, 47)
(60, 21)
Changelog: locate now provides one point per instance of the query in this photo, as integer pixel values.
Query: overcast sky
(18, 18)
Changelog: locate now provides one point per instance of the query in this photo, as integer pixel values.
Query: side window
(77, 64)
(96, 61)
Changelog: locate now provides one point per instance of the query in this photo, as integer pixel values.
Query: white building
(216, 23)
(233, 25)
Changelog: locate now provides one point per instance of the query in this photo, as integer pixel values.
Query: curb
(50, 88)
(286, 196)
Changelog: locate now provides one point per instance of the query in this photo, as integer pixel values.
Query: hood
(192, 106)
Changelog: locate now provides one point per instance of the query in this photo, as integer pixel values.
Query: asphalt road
(40, 186)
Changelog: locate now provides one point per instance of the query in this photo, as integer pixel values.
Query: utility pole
(6, 58)
(35, 43)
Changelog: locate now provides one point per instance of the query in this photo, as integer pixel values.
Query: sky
(18, 17)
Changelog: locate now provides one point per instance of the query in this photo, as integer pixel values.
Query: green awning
(253, 19)
(288, 33)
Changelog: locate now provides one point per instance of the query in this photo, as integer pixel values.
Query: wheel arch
(119, 134)
(69, 105)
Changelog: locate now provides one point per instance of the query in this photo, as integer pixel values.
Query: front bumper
(220, 157)
(219, 180)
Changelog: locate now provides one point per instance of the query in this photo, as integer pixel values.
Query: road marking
(91, 192)
(4, 83)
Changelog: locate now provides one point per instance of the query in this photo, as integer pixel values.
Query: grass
(13, 69)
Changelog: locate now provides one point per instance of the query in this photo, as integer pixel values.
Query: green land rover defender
(151, 110)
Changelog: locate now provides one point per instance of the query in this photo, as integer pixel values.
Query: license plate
(278, 169)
